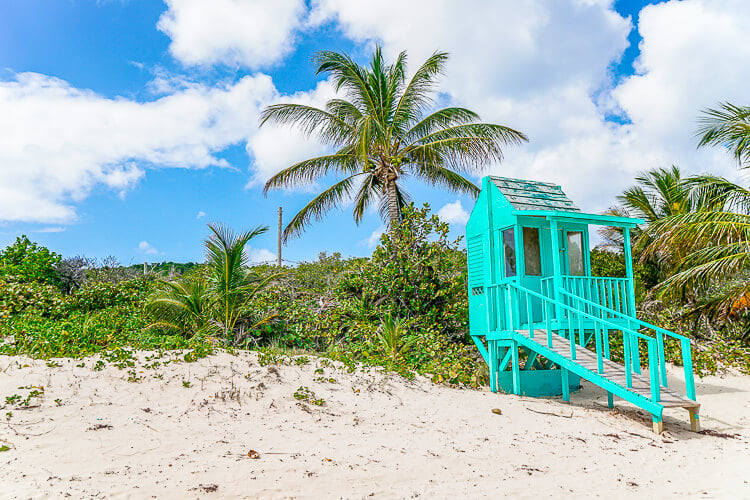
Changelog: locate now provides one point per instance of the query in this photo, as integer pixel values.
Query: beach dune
(188, 430)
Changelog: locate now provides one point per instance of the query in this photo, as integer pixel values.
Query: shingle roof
(533, 195)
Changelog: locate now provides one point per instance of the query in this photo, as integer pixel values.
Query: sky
(126, 126)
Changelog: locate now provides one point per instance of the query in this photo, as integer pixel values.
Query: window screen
(532, 258)
(509, 248)
(575, 253)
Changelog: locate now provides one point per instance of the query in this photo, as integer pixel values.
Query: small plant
(82, 365)
(4, 448)
(270, 358)
(326, 380)
(186, 383)
(301, 360)
(134, 377)
(53, 364)
(8, 415)
(391, 335)
(308, 396)
(99, 366)
(58, 402)
(13, 399)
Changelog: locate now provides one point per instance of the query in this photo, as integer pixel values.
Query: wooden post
(658, 424)
(516, 369)
(695, 421)
(278, 242)
(565, 384)
(610, 400)
(493, 364)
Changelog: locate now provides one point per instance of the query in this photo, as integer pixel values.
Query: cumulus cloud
(374, 238)
(145, 247)
(260, 255)
(454, 213)
(200, 215)
(251, 33)
(274, 147)
(544, 67)
(57, 142)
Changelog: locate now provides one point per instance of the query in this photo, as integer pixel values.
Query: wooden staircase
(562, 336)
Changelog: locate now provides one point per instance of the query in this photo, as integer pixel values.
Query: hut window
(532, 258)
(509, 249)
(575, 253)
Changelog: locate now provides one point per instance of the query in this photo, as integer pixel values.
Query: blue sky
(127, 125)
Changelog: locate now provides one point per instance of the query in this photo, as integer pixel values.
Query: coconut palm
(216, 300)
(229, 280)
(717, 239)
(183, 306)
(727, 126)
(658, 194)
(717, 247)
(380, 133)
(392, 336)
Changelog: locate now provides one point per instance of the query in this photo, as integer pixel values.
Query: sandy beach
(185, 430)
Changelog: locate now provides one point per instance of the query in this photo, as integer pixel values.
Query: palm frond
(729, 127)
(418, 92)
(307, 171)
(328, 127)
(319, 206)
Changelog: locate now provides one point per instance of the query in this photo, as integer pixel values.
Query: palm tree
(717, 239)
(380, 134)
(717, 247)
(728, 126)
(230, 281)
(392, 336)
(183, 306)
(216, 300)
(658, 194)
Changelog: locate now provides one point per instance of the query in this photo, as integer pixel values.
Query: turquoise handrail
(687, 360)
(627, 332)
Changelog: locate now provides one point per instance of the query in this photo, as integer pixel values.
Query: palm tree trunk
(394, 212)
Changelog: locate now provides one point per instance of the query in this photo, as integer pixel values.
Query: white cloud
(374, 237)
(252, 33)
(200, 215)
(146, 248)
(57, 142)
(51, 229)
(544, 67)
(260, 255)
(274, 147)
(454, 213)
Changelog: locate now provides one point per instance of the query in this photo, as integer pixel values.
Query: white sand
(377, 435)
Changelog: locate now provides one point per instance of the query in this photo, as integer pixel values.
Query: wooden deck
(612, 371)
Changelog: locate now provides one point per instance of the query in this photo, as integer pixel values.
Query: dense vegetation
(405, 307)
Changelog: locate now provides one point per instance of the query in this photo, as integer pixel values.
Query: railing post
(687, 362)
(653, 368)
(557, 274)
(660, 356)
(631, 290)
(598, 340)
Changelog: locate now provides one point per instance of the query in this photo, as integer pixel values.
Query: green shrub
(26, 262)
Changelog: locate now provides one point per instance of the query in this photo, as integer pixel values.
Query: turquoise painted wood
(539, 318)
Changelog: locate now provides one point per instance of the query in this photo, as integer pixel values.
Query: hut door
(531, 242)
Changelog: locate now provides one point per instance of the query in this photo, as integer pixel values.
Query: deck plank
(612, 371)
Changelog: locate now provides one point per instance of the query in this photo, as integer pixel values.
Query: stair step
(612, 371)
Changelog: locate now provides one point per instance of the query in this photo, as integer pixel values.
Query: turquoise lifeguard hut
(539, 317)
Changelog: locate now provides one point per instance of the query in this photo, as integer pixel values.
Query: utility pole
(278, 242)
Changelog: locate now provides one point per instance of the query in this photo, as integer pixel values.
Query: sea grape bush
(334, 307)
(26, 262)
